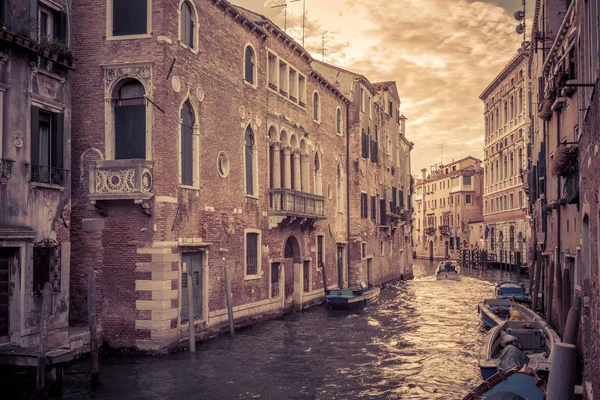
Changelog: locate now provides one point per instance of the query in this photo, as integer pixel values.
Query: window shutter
(57, 141)
(138, 131)
(138, 15)
(249, 164)
(60, 26)
(393, 196)
(187, 153)
(33, 19)
(130, 132)
(401, 196)
(249, 73)
(35, 135)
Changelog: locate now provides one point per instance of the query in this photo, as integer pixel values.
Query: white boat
(448, 270)
(530, 341)
(495, 311)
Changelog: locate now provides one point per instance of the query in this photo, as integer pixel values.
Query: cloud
(441, 53)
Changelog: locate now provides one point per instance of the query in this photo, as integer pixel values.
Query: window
(511, 204)
(302, 89)
(340, 189)
(373, 208)
(316, 107)
(47, 147)
(187, 144)
(250, 65)
(381, 248)
(293, 85)
(390, 107)
(362, 99)
(187, 25)
(130, 121)
(363, 249)
(520, 107)
(252, 253)
(272, 69)
(46, 25)
(466, 180)
(520, 199)
(249, 146)
(129, 17)
(283, 78)
(338, 121)
(191, 263)
(46, 266)
(364, 207)
(365, 143)
(468, 199)
(320, 251)
(370, 108)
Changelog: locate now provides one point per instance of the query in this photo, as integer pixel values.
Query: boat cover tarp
(511, 357)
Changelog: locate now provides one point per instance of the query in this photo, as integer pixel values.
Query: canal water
(420, 341)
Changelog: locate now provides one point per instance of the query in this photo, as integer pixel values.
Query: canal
(420, 341)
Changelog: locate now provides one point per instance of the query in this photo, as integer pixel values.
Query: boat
(351, 298)
(512, 290)
(494, 311)
(513, 343)
(517, 382)
(447, 270)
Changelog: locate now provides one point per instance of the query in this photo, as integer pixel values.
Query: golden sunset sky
(441, 53)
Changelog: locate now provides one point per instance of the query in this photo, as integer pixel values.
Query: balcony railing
(293, 203)
(49, 175)
(444, 230)
(121, 180)
(5, 168)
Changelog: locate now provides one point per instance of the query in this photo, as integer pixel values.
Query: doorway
(340, 265)
(7, 257)
(292, 257)
(369, 272)
(447, 249)
(191, 263)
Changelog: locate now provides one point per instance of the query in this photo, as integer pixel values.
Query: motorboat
(448, 270)
(351, 298)
(495, 311)
(517, 344)
(512, 290)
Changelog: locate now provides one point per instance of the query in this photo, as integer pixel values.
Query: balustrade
(121, 180)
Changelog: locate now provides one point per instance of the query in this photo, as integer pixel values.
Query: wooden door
(191, 263)
(289, 280)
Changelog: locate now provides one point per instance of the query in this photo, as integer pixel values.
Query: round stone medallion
(200, 94)
(176, 83)
(223, 164)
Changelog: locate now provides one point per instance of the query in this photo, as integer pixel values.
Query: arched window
(512, 165)
(318, 187)
(187, 144)
(249, 65)
(187, 24)
(130, 121)
(338, 121)
(340, 189)
(316, 107)
(249, 160)
(520, 163)
(520, 107)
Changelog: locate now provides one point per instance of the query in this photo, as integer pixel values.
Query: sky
(441, 53)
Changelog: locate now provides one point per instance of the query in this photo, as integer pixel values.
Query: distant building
(446, 200)
(507, 122)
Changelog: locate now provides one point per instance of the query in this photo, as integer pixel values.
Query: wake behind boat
(351, 298)
(495, 311)
(447, 270)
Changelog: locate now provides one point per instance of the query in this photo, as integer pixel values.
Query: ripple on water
(419, 341)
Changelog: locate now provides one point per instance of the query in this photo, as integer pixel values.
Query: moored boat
(515, 384)
(494, 311)
(513, 343)
(447, 270)
(512, 290)
(351, 298)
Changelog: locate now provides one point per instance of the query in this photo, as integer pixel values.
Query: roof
(357, 76)
(383, 85)
(512, 64)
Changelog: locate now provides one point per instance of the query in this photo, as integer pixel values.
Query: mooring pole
(190, 295)
(229, 306)
(92, 326)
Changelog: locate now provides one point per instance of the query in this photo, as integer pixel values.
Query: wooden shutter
(187, 145)
(130, 132)
(249, 157)
(138, 16)
(57, 141)
(251, 253)
(401, 196)
(249, 72)
(35, 135)
(60, 26)
(33, 19)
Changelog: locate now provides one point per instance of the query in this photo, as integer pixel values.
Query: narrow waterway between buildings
(420, 341)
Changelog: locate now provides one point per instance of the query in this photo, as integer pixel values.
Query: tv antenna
(284, 5)
(323, 48)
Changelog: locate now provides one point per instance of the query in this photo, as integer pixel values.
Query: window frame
(317, 109)
(319, 264)
(195, 149)
(109, 23)
(339, 123)
(258, 274)
(253, 84)
(254, 164)
(194, 14)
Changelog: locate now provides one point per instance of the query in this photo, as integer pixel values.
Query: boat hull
(350, 299)
(490, 319)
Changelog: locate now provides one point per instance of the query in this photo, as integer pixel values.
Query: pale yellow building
(507, 124)
(446, 201)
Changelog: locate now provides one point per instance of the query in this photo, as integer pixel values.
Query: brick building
(35, 193)
(507, 122)
(446, 201)
(563, 183)
(203, 140)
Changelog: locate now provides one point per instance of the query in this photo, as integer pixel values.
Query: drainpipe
(348, 190)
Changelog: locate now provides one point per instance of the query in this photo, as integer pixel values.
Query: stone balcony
(121, 180)
(295, 206)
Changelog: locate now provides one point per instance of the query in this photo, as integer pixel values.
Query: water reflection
(420, 341)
